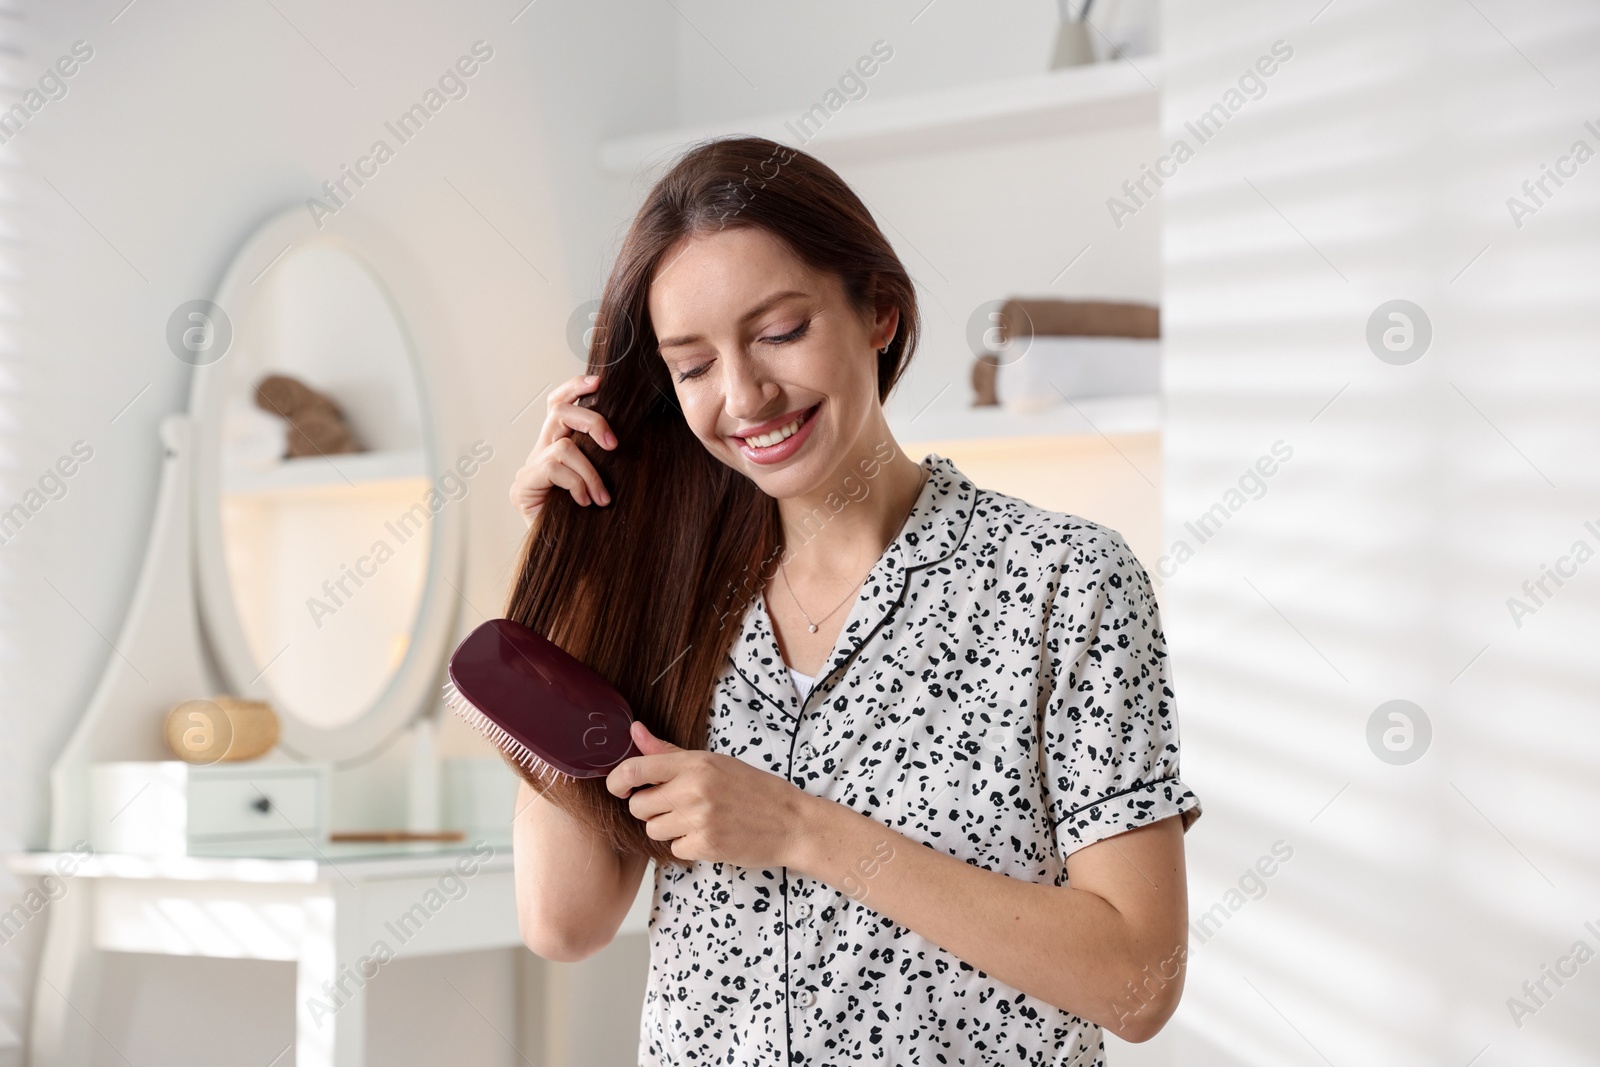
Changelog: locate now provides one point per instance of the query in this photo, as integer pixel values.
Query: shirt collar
(939, 519)
(933, 531)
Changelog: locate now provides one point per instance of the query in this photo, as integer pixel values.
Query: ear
(648, 743)
(888, 322)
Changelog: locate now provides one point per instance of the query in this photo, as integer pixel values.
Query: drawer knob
(262, 804)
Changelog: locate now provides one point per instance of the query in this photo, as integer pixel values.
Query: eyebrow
(765, 305)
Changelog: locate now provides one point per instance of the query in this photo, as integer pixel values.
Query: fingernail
(605, 497)
(611, 439)
(592, 378)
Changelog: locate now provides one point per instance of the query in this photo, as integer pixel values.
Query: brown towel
(1051, 317)
(317, 426)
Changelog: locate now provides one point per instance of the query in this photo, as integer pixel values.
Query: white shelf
(1089, 416)
(1096, 96)
(312, 473)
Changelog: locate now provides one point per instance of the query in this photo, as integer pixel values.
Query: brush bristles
(520, 754)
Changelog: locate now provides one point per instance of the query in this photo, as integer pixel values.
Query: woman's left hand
(710, 806)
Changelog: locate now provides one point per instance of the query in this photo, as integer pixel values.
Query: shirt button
(806, 750)
(802, 911)
(806, 998)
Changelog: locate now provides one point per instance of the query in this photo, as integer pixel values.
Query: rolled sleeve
(1110, 729)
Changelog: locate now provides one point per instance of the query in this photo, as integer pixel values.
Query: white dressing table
(327, 915)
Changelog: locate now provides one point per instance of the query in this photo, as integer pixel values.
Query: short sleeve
(1110, 730)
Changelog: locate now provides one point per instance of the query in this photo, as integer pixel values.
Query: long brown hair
(650, 590)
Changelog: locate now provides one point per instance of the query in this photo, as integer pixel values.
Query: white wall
(972, 225)
(1419, 497)
(782, 58)
(191, 124)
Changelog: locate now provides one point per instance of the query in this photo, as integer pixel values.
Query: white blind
(14, 81)
(1377, 561)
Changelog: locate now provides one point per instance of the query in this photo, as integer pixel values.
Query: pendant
(813, 627)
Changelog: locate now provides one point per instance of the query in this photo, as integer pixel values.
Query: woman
(910, 757)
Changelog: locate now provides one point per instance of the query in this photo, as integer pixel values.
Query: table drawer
(260, 804)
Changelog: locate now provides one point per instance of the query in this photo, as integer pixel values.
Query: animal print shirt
(1000, 691)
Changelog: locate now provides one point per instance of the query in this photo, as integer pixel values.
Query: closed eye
(779, 339)
(793, 335)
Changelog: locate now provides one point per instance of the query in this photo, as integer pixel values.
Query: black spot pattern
(1000, 691)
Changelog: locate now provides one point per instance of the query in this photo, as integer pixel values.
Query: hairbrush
(552, 715)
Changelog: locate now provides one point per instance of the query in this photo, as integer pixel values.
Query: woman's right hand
(556, 459)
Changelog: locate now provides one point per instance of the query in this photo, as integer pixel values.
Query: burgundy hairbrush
(550, 713)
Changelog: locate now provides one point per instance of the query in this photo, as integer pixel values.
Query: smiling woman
(876, 869)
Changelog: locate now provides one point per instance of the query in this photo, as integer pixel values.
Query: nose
(747, 390)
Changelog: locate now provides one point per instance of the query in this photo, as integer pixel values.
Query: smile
(779, 442)
(766, 440)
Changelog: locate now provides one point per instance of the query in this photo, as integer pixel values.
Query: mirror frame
(417, 682)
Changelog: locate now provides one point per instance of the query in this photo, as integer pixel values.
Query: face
(776, 372)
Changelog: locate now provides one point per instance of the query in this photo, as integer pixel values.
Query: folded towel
(317, 426)
(251, 438)
(1022, 317)
(1078, 318)
(1056, 369)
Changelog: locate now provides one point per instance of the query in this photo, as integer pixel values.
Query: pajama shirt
(1001, 692)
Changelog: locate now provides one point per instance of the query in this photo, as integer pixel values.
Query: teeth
(767, 440)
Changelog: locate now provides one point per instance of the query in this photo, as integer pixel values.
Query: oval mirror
(320, 541)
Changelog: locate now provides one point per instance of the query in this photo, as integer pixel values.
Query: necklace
(812, 623)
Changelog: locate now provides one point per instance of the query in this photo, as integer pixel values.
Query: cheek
(700, 409)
